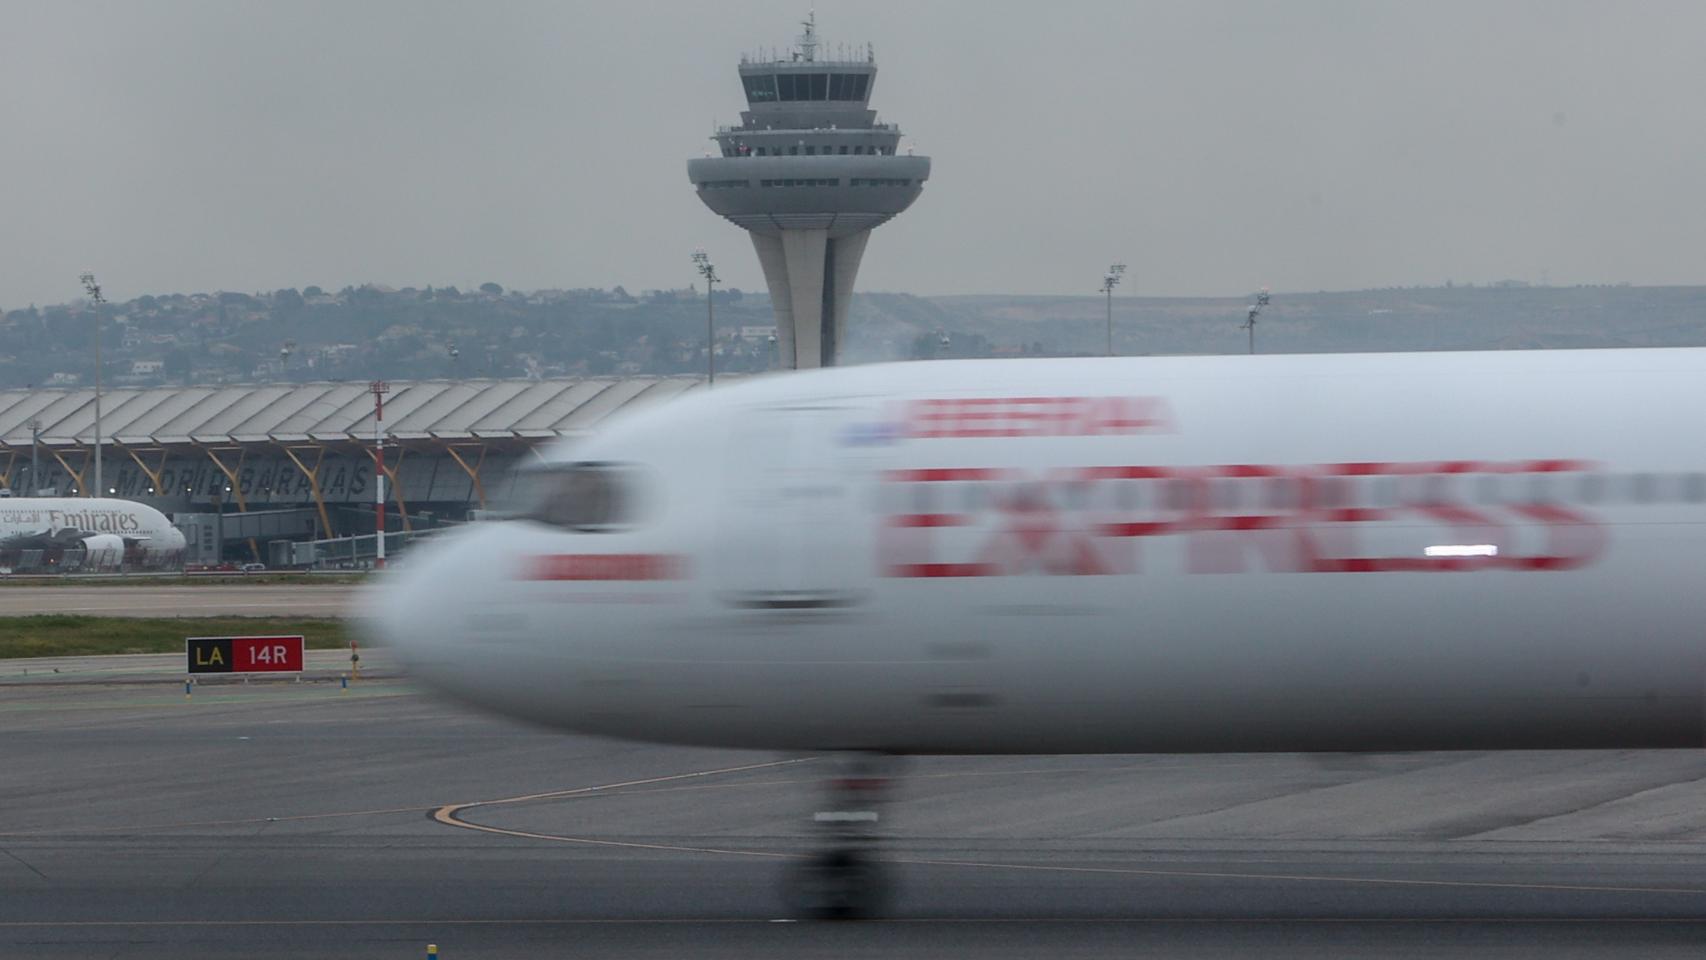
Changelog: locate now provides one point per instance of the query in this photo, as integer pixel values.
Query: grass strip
(69, 635)
(199, 580)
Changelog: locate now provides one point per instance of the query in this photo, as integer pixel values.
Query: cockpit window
(585, 497)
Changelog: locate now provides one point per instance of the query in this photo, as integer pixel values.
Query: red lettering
(1037, 537)
(968, 417)
(605, 566)
(264, 654)
(1573, 540)
(1330, 518)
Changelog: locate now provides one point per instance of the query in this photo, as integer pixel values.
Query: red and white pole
(379, 388)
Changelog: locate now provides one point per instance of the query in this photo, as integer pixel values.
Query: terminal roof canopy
(329, 412)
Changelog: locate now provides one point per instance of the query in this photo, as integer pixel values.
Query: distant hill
(371, 331)
(1458, 318)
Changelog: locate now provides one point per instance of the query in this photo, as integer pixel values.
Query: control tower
(808, 173)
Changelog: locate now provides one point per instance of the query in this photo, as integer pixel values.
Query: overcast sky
(1215, 147)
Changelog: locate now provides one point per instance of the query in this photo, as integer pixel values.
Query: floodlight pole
(35, 464)
(1108, 288)
(702, 262)
(379, 388)
(1255, 310)
(93, 289)
(1109, 282)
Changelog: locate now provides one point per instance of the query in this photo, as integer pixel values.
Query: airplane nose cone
(407, 607)
(464, 624)
(431, 609)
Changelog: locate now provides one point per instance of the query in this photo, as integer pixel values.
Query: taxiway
(284, 819)
(209, 600)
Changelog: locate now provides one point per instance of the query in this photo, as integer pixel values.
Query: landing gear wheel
(839, 884)
(842, 879)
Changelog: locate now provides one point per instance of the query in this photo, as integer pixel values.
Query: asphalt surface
(169, 668)
(202, 600)
(297, 819)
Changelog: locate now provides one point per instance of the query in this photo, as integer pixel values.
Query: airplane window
(1409, 490)
(1281, 493)
(1694, 487)
(1330, 493)
(1643, 488)
(1592, 488)
(1540, 489)
(1436, 489)
(1180, 495)
(973, 497)
(1076, 496)
(1385, 493)
(922, 502)
(586, 497)
(1487, 489)
(883, 498)
(1226, 495)
(1130, 493)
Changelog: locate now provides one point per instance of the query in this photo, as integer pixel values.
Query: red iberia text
(1035, 417)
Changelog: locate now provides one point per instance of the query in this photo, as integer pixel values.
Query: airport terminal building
(245, 471)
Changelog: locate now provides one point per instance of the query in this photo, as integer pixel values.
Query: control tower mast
(808, 173)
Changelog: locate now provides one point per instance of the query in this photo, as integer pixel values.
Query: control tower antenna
(808, 173)
(808, 39)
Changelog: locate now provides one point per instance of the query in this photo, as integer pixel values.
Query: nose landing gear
(843, 880)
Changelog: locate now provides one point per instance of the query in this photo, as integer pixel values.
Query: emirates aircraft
(1195, 554)
(47, 533)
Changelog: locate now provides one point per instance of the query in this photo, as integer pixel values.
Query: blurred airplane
(1194, 554)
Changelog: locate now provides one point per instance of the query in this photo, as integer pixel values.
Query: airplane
(1354, 552)
(110, 532)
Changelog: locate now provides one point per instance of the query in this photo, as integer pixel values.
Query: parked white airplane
(1297, 553)
(36, 532)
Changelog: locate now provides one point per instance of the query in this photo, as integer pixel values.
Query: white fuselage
(1353, 552)
(101, 526)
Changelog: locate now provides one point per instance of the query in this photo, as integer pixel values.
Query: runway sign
(244, 654)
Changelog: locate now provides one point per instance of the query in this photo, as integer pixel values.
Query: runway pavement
(201, 600)
(377, 663)
(297, 820)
